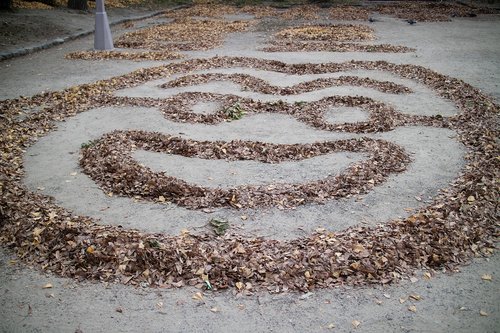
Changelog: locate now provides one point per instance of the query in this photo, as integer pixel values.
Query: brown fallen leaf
(355, 323)
(47, 286)
(215, 309)
(330, 326)
(239, 285)
(119, 309)
(412, 308)
(484, 313)
(427, 276)
(402, 300)
(416, 297)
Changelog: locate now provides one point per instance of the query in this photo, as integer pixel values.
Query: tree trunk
(77, 4)
(5, 4)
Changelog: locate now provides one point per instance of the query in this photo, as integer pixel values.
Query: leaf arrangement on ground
(448, 232)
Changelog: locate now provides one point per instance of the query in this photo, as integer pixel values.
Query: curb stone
(60, 40)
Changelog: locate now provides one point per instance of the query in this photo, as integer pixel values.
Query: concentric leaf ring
(449, 231)
(110, 163)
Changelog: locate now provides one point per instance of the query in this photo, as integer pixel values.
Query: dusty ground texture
(465, 48)
(28, 30)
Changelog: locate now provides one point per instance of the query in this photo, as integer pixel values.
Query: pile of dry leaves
(381, 116)
(430, 11)
(249, 82)
(420, 11)
(349, 13)
(201, 10)
(333, 32)
(331, 38)
(182, 35)
(109, 162)
(164, 39)
(460, 223)
(123, 55)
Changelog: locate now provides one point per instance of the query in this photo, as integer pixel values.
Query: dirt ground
(25, 29)
(462, 301)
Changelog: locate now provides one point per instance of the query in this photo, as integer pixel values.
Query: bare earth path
(462, 301)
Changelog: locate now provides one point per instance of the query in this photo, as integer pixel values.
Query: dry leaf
(358, 248)
(355, 323)
(330, 326)
(355, 265)
(412, 308)
(427, 276)
(402, 300)
(215, 309)
(486, 277)
(37, 231)
(484, 313)
(197, 296)
(239, 285)
(47, 286)
(416, 297)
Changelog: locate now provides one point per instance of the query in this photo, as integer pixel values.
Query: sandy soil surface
(466, 48)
